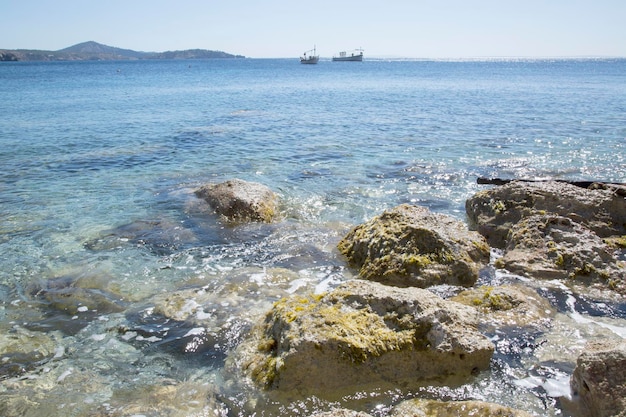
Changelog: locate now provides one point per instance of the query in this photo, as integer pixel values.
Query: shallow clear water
(99, 163)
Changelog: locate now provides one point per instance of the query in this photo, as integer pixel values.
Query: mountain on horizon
(91, 47)
(94, 51)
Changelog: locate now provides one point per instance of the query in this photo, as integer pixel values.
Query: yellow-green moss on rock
(556, 247)
(411, 246)
(363, 333)
(601, 207)
(508, 305)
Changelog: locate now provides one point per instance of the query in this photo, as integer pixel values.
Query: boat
(312, 58)
(354, 56)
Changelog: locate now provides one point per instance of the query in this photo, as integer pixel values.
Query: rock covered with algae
(240, 201)
(363, 332)
(555, 230)
(508, 306)
(411, 246)
(549, 246)
(601, 207)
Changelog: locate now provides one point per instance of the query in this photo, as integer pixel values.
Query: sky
(286, 28)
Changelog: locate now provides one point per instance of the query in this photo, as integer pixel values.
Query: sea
(122, 294)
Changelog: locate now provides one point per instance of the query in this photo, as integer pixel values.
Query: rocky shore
(415, 314)
(394, 332)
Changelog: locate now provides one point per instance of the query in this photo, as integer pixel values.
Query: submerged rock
(161, 236)
(70, 294)
(240, 201)
(173, 399)
(508, 305)
(599, 379)
(411, 246)
(367, 333)
(70, 302)
(549, 246)
(341, 412)
(601, 208)
(433, 408)
(21, 350)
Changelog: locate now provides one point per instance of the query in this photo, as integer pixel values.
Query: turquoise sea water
(99, 161)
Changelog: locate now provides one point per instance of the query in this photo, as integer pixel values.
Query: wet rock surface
(508, 305)
(341, 412)
(600, 208)
(411, 246)
(555, 230)
(162, 237)
(366, 332)
(599, 379)
(22, 350)
(556, 247)
(433, 408)
(70, 302)
(240, 201)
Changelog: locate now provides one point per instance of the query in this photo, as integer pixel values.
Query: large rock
(433, 408)
(549, 246)
(366, 333)
(601, 208)
(599, 379)
(411, 246)
(240, 201)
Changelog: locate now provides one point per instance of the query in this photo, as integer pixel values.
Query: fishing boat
(311, 58)
(355, 56)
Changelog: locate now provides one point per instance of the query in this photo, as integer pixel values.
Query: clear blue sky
(285, 28)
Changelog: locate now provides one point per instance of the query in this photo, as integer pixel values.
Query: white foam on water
(196, 331)
(582, 319)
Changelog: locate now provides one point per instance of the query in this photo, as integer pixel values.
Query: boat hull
(351, 58)
(309, 60)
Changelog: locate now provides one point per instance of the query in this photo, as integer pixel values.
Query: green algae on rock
(366, 332)
(508, 305)
(601, 208)
(549, 246)
(411, 246)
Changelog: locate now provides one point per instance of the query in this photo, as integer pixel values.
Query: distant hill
(97, 49)
(94, 51)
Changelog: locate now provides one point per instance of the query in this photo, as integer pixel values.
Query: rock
(240, 201)
(599, 379)
(70, 302)
(508, 305)
(22, 350)
(411, 246)
(341, 412)
(175, 399)
(208, 306)
(366, 332)
(163, 237)
(72, 294)
(550, 246)
(433, 408)
(602, 209)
